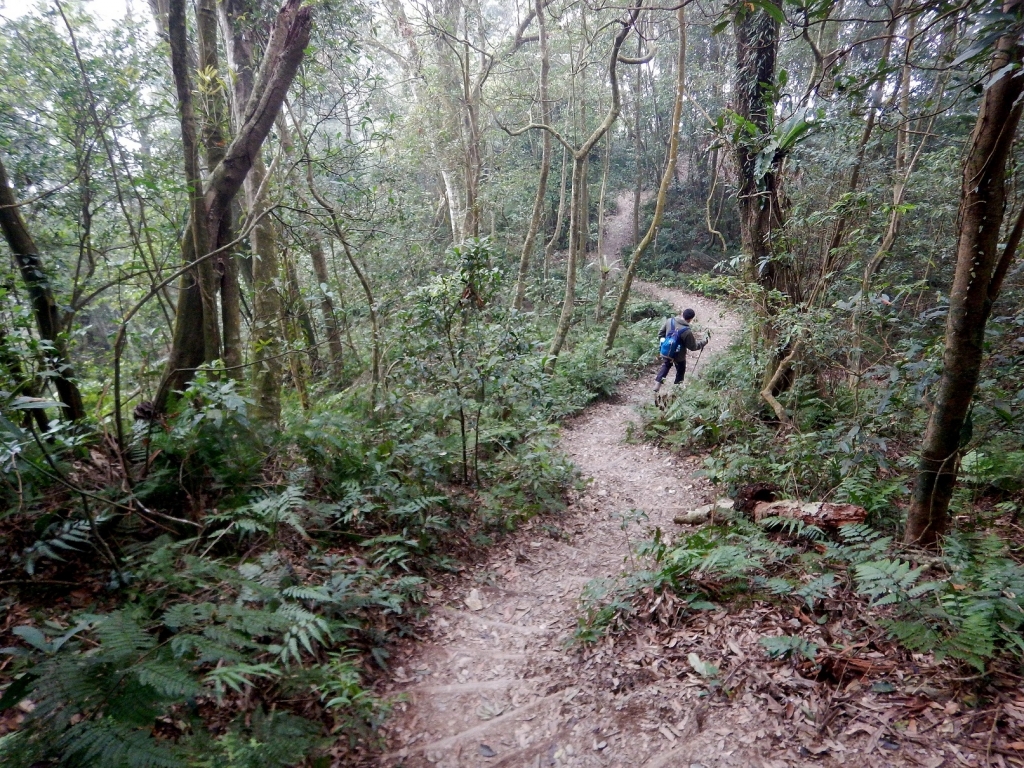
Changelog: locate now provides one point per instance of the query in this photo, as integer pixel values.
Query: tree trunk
(666, 181)
(980, 270)
(291, 321)
(569, 301)
(874, 102)
(549, 249)
(267, 307)
(638, 149)
(601, 262)
(267, 330)
(316, 254)
(757, 42)
(299, 309)
(23, 385)
(576, 214)
(215, 119)
(44, 305)
(281, 59)
(545, 164)
(199, 219)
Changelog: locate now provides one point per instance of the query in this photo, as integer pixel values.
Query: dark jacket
(687, 340)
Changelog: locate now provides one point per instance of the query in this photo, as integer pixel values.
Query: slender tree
(40, 292)
(980, 269)
(545, 162)
(578, 215)
(757, 46)
(666, 180)
(268, 307)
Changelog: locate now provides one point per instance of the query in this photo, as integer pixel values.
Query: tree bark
(666, 181)
(545, 164)
(214, 121)
(23, 385)
(291, 321)
(638, 148)
(757, 42)
(976, 284)
(330, 319)
(267, 308)
(601, 262)
(299, 309)
(267, 331)
(549, 249)
(44, 305)
(206, 323)
(284, 52)
(874, 102)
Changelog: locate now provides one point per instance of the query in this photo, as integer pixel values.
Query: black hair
(688, 314)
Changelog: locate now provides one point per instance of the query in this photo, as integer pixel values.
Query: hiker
(674, 338)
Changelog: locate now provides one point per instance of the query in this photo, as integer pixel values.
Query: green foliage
(969, 608)
(789, 646)
(209, 443)
(257, 628)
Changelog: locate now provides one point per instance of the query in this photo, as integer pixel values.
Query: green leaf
(33, 637)
(789, 645)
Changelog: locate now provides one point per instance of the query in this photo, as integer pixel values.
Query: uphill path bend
(495, 682)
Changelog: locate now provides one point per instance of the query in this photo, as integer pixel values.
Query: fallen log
(704, 513)
(824, 514)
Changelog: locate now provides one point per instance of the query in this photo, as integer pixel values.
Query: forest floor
(495, 678)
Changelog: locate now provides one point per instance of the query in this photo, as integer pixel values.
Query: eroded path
(495, 683)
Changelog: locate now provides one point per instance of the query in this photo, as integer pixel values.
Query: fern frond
(789, 645)
(817, 588)
(122, 637)
(113, 745)
(167, 678)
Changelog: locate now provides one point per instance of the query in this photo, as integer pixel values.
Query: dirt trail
(495, 682)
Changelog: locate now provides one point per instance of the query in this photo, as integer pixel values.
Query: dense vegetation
(297, 296)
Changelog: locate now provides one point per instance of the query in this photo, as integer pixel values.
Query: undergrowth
(851, 442)
(966, 604)
(229, 601)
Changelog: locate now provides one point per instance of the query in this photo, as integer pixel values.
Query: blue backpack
(670, 344)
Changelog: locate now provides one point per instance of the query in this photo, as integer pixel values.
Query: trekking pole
(699, 354)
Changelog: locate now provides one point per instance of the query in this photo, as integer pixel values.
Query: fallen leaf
(473, 601)
(489, 710)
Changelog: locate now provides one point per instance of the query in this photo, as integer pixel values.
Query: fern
(779, 586)
(792, 526)
(237, 676)
(169, 679)
(265, 515)
(891, 581)
(122, 637)
(816, 589)
(860, 543)
(68, 537)
(108, 743)
(789, 646)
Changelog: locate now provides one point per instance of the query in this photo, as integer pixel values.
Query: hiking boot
(657, 386)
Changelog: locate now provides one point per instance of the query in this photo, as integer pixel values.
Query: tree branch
(288, 42)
